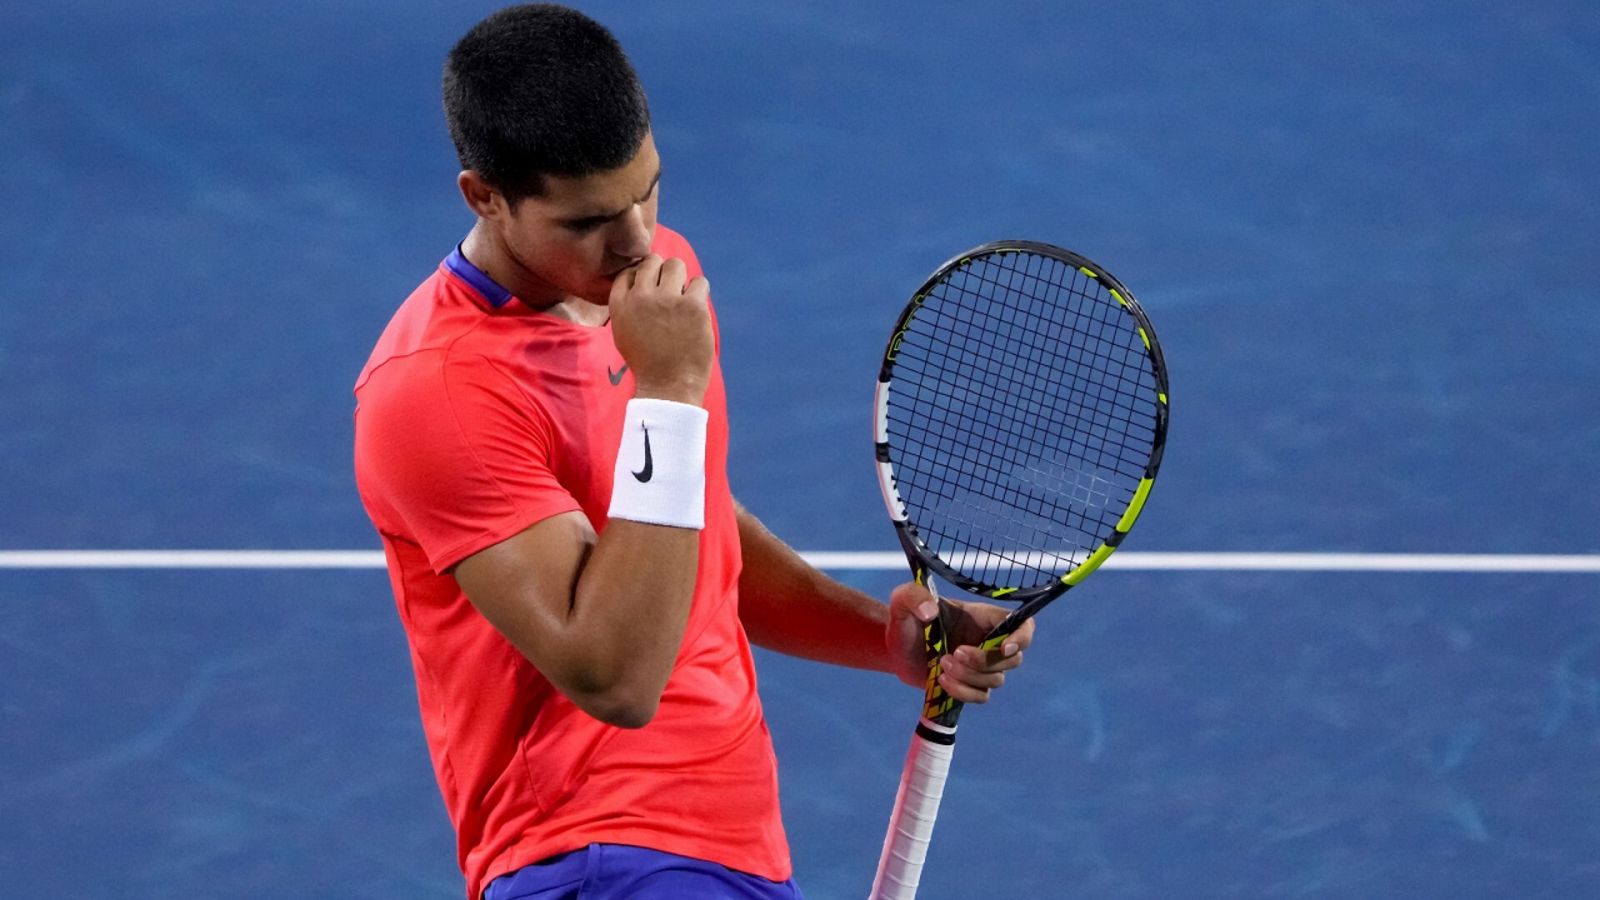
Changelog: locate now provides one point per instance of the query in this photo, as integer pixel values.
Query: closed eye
(590, 223)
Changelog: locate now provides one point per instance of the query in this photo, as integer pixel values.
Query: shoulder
(430, 320)
(433, 384)
(436, 424)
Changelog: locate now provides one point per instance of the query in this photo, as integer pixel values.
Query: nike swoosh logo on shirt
(616, 377)
(644, 474)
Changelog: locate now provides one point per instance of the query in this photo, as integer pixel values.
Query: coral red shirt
(477, 417)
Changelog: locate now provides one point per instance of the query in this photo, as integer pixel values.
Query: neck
(484, 250)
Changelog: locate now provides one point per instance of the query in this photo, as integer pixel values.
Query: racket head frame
(924, 562)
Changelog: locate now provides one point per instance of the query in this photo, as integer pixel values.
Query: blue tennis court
(1363, 231)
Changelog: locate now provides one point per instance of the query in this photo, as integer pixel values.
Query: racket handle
(905, 847)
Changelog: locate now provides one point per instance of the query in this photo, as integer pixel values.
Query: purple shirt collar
(476, 278)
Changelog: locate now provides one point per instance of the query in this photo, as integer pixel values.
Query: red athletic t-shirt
(476, 417)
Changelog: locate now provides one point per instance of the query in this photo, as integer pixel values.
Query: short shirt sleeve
(453, 455)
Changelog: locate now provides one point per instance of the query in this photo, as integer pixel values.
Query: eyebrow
(599, 218)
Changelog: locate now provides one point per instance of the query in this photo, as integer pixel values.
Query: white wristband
(661, 465)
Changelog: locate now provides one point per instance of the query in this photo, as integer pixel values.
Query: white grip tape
(905, 847)
(660, 477)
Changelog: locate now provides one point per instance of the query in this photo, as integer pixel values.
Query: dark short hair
(539, 89)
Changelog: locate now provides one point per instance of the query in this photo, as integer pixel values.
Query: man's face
(583, 231)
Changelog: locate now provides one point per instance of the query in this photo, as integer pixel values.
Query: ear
(481, 197)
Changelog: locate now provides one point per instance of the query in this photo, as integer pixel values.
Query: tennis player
(541, 440)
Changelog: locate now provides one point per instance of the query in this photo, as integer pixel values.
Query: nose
(631, 237)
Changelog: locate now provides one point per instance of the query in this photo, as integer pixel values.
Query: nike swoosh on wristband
(616, 377)
(644, 474)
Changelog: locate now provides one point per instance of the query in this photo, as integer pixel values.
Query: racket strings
(1103, 350)
(1078, 379)
(1028, 484)
(1021, 401)
(1021, 415)
(988, 510)
(1039, 357)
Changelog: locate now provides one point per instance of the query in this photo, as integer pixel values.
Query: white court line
(191, 559)
(1127, 561)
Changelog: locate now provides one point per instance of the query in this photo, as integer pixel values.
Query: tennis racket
(1021, 412)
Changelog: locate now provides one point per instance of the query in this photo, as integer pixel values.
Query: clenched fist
(662, 327)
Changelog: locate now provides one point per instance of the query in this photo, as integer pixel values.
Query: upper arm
(460, 463)
(609, 644)
(525, 585)
(452, 455)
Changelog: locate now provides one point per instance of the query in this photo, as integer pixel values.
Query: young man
(541, 440)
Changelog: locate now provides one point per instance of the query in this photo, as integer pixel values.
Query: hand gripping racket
(1021, 415)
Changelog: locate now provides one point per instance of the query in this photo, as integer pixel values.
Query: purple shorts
(604, 871)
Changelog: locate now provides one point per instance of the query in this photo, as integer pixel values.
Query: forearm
(630, 607)
(631, 601)
(789, 606)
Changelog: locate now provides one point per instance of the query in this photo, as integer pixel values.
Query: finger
(1022, 637)
(911, 607)
(996, 660)
(975, 620)
(978, 660)
(647, 272)
(914, 600)
(972, 676)
(966, 693)
(673, 273)
(1009, 645)
(698, 288)
(620, 286)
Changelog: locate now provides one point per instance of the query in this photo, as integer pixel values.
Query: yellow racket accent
(1089, 565)
(1135, 505)
(938, 701)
